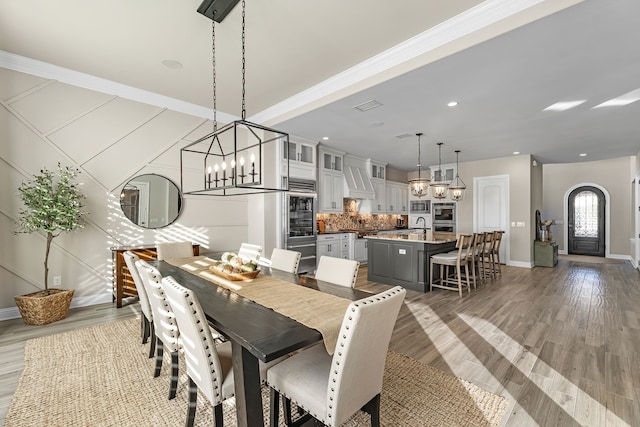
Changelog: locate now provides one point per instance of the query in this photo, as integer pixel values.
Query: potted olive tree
(52, 204)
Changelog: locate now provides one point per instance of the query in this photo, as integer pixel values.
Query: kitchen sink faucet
(424, 224)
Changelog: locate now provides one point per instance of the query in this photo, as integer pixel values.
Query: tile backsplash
(351, 219)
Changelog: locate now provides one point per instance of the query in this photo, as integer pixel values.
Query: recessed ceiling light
(516, 153)
(452, 103)
(583, 154)
(325, 138)
(172, 64)
(566, 105)
(625, 99)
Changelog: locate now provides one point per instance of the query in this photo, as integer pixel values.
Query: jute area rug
(101, 376)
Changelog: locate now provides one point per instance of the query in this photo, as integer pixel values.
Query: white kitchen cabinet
(378, 205)
(377, 169)
(361, 249)
(331, 193)
(302, 159)
(331, 185)
(445, 173)
(397, 198)
(337, 245)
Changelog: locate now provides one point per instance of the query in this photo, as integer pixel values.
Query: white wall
(614, 175)
(111, 140)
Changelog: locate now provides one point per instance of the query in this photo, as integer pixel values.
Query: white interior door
(491, 208)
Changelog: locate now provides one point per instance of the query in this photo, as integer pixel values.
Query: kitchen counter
(403, 259)
(428, 237)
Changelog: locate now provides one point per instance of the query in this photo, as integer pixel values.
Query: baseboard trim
(14, 313)
(522, 264)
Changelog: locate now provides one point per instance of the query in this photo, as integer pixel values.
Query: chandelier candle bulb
(209, 176)
(233, 171)
(215, 169)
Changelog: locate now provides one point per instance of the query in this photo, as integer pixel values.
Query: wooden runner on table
(315, 309)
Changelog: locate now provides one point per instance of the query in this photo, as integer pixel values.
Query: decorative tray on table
(233, 267)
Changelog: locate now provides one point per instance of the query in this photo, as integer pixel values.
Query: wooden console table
(123, 285)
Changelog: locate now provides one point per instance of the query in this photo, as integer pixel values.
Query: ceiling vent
(369, 105)
(404, 135)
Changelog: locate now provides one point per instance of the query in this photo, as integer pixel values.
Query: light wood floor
(563, 344)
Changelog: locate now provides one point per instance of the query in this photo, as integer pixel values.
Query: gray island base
(403, 259)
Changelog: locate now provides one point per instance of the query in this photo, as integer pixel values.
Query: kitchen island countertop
(428, 237)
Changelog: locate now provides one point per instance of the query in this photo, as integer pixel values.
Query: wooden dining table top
(265, 333)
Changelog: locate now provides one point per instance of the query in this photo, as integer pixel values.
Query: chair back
(357, 366)
(464, 245)
(200, 353)
(488, 242)
(497, 240)
(478, 243)
(130, 259)
(250, 252)
(339, 271)
(285, 260)
(164, 321)
(167, 250)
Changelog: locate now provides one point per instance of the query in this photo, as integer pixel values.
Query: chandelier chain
(244, 108)
(213, 63)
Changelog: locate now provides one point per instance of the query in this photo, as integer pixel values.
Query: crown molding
(483, 15)
(45, 70)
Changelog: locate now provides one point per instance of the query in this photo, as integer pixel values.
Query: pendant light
(231, 160)
(457, 187)
(420, 185)
(439, 186)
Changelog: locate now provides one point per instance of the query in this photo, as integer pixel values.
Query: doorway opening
(586, 221)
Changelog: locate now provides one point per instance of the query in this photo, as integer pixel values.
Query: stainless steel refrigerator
(300, 222)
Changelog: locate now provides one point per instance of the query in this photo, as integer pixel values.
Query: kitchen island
(403, 259)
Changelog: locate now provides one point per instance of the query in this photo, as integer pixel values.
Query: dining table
(257, 333)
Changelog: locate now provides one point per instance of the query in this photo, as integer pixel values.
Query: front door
(586, 221)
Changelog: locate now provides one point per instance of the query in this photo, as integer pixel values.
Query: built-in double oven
(444, 216)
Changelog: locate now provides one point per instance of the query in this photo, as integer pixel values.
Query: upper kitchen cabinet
(302, 158)
(444, 173)
(397, 198)
(331, 182)
(377, 169)
(377, 205)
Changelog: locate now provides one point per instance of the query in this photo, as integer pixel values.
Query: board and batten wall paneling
(614, 175)
(43, 122)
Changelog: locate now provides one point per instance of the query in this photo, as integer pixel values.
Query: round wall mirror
(151, 201)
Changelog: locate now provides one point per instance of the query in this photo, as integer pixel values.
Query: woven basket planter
(38, 308)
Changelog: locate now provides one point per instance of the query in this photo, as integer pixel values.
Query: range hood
(357, 184)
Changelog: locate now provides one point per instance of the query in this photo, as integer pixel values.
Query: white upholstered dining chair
(339, 271)
(165, 327)
(209, 366)
(147, 314)
(167, 250)
(250, 252)
(285, 260)
(332, 388)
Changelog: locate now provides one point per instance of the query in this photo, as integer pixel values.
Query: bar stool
(457, 259)
(495, 252)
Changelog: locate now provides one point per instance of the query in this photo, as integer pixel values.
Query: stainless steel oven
(444, 217)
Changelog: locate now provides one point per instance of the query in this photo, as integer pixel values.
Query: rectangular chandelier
(236, 159)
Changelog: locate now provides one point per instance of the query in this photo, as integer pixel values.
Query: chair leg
(218, 416)
(372, 407)
(174, 375)
(159, 352)
(431, 276)
(274, 408)
(152, 346)
(459, 272)
(143, 329)
(191, 408)
(286, 410)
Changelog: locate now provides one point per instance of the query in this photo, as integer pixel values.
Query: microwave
(417, 207)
